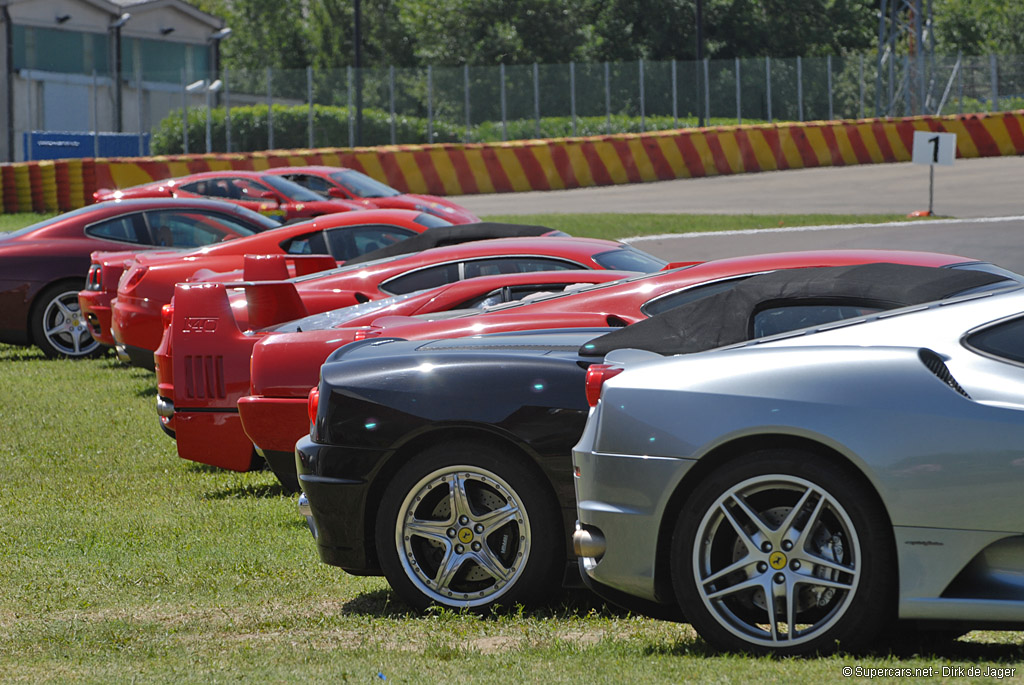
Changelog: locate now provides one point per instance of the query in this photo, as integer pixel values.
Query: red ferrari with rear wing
(285, 367)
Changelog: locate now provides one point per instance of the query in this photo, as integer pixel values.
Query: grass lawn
(120, 562)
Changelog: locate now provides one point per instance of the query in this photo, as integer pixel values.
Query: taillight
(167, 314)
(134, 276)
(597, 374)
(364, 333)
(94, 281)
(314, 404)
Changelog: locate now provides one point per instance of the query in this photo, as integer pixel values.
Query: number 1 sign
(933, 148)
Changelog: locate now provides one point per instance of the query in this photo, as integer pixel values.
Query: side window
(124, 229)
(515, 265)
(248, 189)
(687, 295)
(792, 317)
(1004, 340)
(314, 183)
(422, 279)
(510, 294)
(311, 243)
(171, 228)
(347, 242)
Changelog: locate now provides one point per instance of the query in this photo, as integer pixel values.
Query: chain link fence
(245, 110)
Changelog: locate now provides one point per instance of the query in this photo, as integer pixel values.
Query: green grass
(615, 226)
(119, 561)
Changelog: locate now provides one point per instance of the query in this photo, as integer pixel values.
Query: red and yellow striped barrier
(543, 164)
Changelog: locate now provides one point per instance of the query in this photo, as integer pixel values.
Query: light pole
(212, 88)
(358, 40)
(214, 43)
(115, 38)
(700, 61)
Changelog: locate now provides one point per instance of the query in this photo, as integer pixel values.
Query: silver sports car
(800, 493)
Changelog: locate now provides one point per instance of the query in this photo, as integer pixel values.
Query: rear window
(431, 221)
(629, 259)
(1004, 341)
(124, 229)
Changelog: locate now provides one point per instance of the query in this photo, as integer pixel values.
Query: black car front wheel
(468, 525)
(784, 552)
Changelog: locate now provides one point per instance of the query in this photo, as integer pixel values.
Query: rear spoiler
(206, 307)
(274, 267)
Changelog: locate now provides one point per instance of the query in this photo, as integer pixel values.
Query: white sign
(934, 148)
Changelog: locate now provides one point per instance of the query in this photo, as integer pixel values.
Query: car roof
(723, 318)
(453, 235)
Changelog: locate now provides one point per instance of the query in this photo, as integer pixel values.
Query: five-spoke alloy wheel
(58, 326)
(784, 552)
(466, 525)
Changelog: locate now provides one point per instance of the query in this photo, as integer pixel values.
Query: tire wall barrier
(454, 169)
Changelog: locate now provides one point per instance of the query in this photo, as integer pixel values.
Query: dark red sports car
(43, 266)
(259, 191)
(355, 186)
(148, 283)
(285, 367)
(211, 325)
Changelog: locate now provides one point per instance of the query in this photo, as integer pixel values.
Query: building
(106, 65)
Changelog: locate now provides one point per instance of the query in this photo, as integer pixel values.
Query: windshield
(291, 189)
(361, 185)
(628, 258)
(337, 317)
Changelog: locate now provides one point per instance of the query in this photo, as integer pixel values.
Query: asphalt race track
(983, 198)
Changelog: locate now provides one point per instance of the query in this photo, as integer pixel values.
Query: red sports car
(210, 324)
(148, 283)
(285, 367)
(355, 186)
(43, 266)
(258, 191)
(202, 329)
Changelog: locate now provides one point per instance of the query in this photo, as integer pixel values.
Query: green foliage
(979, 27)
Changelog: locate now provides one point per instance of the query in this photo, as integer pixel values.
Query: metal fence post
(907, 104)
(607, 98)
(739, 108)
(348, 107)
(184, 115)
(707, 94)
(227, 112)
(430, 104)
(309, 97)
(465, 84)
(95, 116)
(536, 98)
(572, 95)
(138, 96)
(270, 111)
(768, 85)
(504, 111)
(993, 67)
(675, 97)
(643, 113)
(799, 88)
(960, 86)
(860, 111)
(391, 104)
(828, 69)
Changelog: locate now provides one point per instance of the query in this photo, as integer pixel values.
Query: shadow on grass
(248, 491)
(31, 353)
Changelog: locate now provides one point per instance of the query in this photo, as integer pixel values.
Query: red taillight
(166, 314)
(597, 374)
(364, 333)
(94, 281)
(314, 404)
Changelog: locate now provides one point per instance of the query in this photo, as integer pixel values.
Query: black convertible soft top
(439, 236)
(727, 317)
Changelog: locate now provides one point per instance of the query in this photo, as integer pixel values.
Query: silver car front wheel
(464, 528)
(784, 553)
(58, 326)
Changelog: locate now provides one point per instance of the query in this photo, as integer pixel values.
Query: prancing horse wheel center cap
(777, 561)
(466, 536)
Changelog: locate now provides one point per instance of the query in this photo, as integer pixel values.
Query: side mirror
(336, 192)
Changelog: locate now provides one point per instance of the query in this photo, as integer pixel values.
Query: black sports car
(446, 465)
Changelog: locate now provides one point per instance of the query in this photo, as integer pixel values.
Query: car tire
(58, 327)
(789, 530)
(480, 513)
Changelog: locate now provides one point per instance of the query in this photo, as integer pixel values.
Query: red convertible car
(148, 283)
(355, 186)
(43, 266)
(258, 191)
(285, 367)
